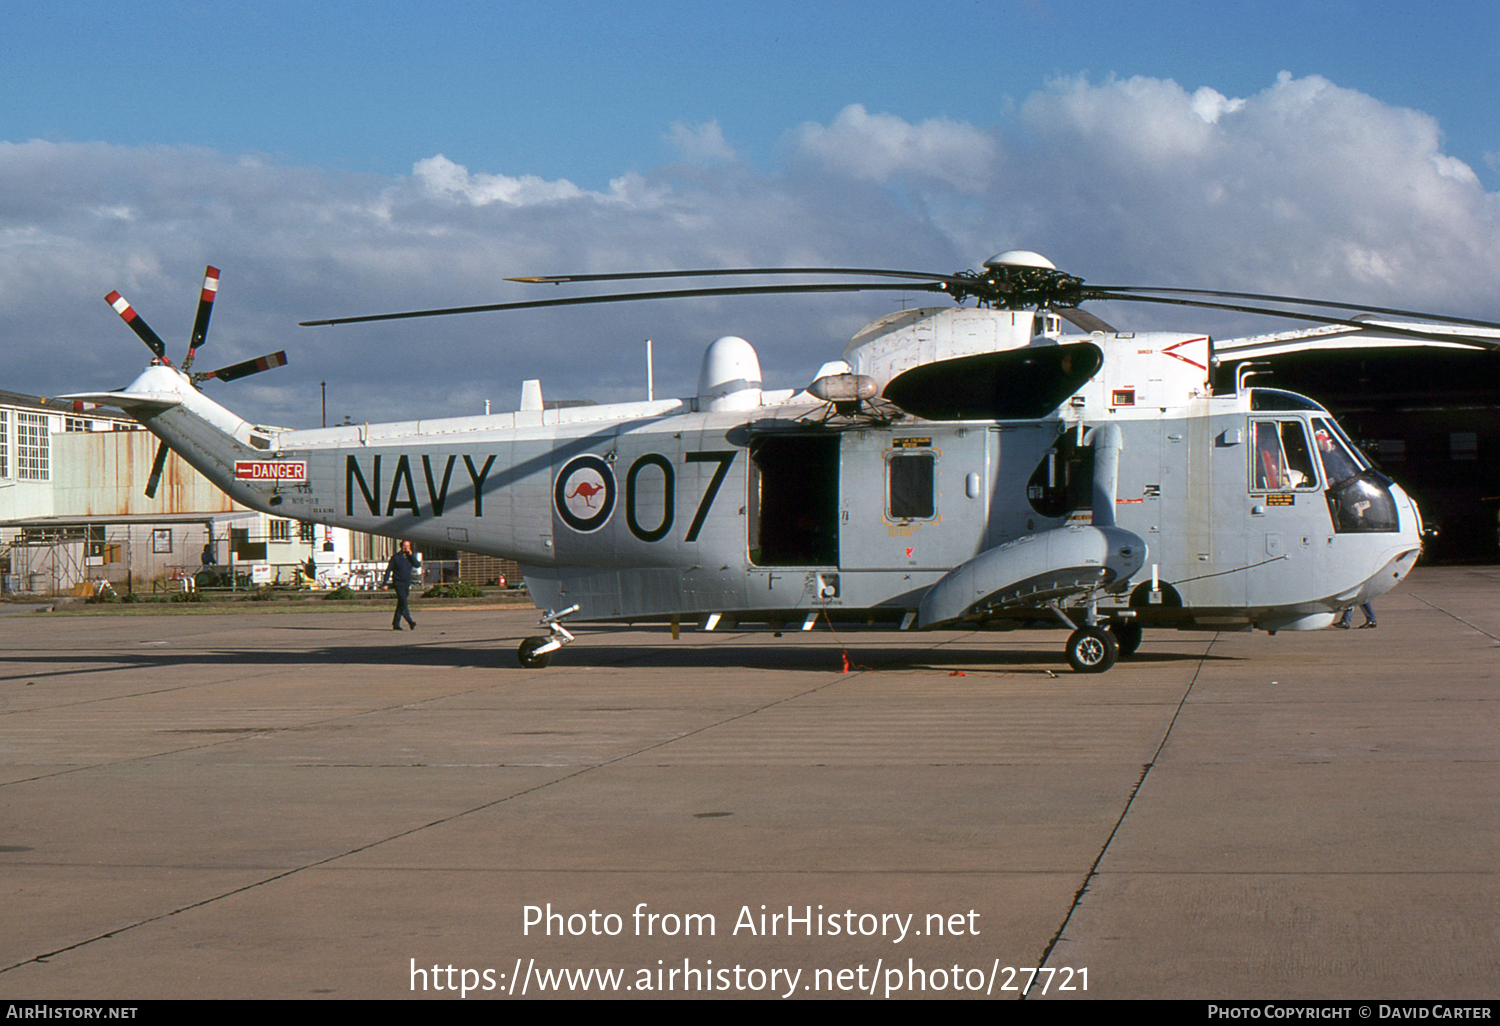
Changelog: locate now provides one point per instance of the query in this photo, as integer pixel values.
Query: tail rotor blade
(156, 469)
(138, 325)
(245, 369)
(205, 311)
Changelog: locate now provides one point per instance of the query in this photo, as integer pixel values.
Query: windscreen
(1359, 500)
(1339, 464)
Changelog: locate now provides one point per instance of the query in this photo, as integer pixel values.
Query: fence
(357, 576)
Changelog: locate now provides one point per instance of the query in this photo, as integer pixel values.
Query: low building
(74, 515)
(74, 518)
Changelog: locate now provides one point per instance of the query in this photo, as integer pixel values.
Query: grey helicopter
(965, 467)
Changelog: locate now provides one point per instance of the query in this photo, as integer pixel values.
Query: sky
(356, 158)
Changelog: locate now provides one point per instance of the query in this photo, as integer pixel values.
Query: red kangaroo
(588, 490)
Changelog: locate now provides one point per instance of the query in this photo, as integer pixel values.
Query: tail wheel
(528, 655)
(1128, 635)
(1092, 650)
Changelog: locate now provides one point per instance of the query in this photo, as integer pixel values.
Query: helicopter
(975, 467)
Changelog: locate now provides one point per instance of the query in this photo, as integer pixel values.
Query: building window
(33, 447)
(281, 530)
(307, 531)
(4, 443)
(242, 547)
(1463, 445)
(96, 550)
(77, 424)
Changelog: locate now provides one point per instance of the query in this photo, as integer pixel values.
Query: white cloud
(1305, 187)
(1302, 188)
(882, 147)
(441, 177)
(1211, 105)
(699, 144)
(1141, 119)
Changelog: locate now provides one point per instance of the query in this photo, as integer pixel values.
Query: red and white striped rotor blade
(205, 311)
(245, 369)
(138, 325)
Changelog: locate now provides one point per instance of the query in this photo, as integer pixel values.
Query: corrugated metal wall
(102, 473)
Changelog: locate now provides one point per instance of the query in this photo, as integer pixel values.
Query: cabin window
(1282, 459)
(913, 486)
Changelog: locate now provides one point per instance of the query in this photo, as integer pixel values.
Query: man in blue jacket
(398, 574)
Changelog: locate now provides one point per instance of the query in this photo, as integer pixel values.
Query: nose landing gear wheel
(1092, 650)
(528, 656)
(1128, 635)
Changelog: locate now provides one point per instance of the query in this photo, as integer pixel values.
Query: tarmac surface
(309, 804)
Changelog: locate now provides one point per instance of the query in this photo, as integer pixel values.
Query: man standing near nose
(398, 574)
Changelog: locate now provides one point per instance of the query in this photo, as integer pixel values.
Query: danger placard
(270, 470)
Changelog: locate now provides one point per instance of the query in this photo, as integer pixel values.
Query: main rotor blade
(1324, 303)
(625, 297)
(1383, 328)
(1083, 319)
(205, 311)
(558, 279)
(138, 325)
(156, 469)
(245, 369)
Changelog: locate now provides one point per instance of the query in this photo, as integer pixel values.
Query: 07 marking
(665, 478)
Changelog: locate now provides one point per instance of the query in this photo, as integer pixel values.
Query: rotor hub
(1017, 279)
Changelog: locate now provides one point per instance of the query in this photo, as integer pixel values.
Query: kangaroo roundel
(585, 493)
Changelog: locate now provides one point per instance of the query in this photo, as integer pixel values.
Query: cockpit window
(1270, 462)
(1339, 464)
(1275, 399)
(1283, 461)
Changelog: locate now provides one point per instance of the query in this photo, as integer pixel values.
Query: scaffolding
(86, 555)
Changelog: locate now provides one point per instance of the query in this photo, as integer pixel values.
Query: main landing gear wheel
(1128, 635)
(1092, 650)
(528, 656)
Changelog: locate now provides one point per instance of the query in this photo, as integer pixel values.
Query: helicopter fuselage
(1253, 510)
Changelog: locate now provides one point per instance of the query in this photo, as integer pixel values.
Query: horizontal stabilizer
(130, 402)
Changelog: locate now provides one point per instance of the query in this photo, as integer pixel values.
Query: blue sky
(367, 156)
(586, 90)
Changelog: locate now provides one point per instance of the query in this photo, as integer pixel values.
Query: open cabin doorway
(794, 500)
